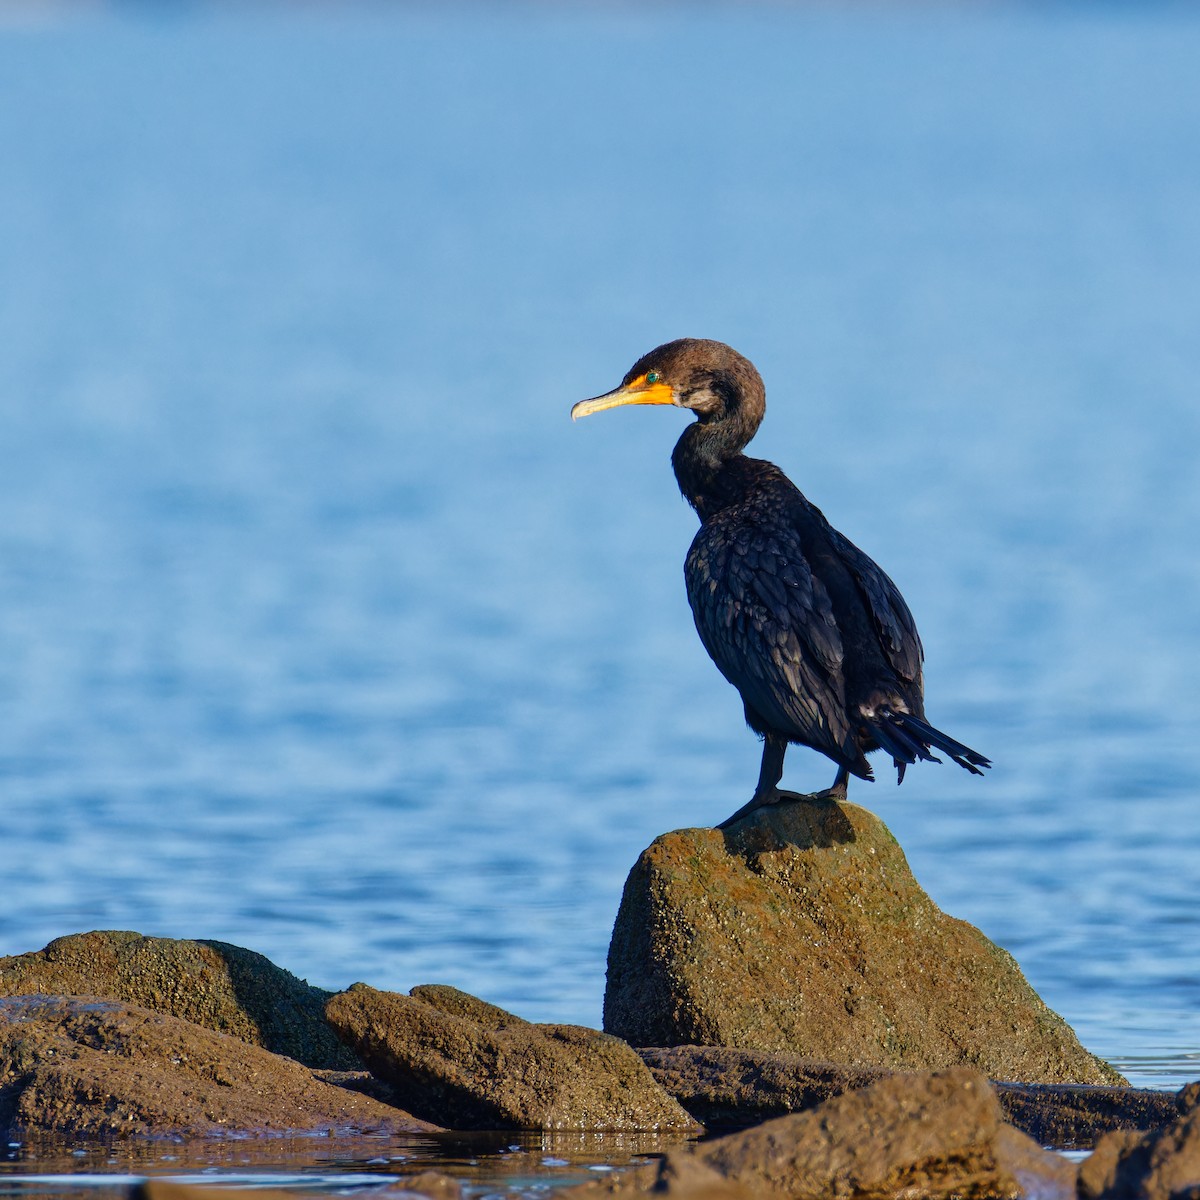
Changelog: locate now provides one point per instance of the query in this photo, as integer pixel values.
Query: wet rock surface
(469, 1065)
(96, 1068)
(920, 1136)
(222, 987)
(1075, 1118)
(725, 1088)
(801, 929)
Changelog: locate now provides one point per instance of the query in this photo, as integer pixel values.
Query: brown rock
(686, 1174)
(639, 1182)
(213, 984)
(724, 1088)
(501, 1074)
(168, 1189)
(453, 1003)
(95, 1067)
(1075, 1117)
(801, 929)
(929, 1135)
(1164, 1165)
(434, 1184)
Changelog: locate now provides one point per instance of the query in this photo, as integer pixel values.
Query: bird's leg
(838, 791)
(769, 775)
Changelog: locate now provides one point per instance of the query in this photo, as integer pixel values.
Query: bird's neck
(706, 459)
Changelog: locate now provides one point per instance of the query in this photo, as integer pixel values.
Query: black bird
(815, 637)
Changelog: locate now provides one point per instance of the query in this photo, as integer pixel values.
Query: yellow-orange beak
(637, 391)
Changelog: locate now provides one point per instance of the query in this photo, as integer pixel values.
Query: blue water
(322, 629)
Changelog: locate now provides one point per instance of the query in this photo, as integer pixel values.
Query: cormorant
(811, 632)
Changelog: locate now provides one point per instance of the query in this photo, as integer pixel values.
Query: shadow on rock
(819, 822)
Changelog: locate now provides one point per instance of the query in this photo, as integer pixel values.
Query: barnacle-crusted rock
(469, 1065)
(802, 929)
(214, 984)
(92, 1067)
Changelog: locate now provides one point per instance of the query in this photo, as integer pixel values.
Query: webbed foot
(757, 801)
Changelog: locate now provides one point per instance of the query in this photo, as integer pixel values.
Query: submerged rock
(725, 1088)
(214, 984)
(469, 1065)
(802, 929)
(94, 1067)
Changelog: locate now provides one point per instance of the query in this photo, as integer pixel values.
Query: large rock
(469, 1065)
(92, 1067)
(213, 984)
(1164, 1165)
(726, 1088)
(802, 929)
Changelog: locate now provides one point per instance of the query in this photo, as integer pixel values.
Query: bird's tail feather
(907, 738)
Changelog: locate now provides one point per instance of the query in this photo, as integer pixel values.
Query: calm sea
(324, 632)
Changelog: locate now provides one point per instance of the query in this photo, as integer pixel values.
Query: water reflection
(506, 1162)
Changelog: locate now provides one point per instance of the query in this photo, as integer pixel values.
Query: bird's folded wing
(769, 626)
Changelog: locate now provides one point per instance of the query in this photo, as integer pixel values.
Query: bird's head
(710, 378)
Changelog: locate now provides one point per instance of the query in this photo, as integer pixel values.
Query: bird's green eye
(652, 377)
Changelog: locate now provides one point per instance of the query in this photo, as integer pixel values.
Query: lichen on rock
(802, 929)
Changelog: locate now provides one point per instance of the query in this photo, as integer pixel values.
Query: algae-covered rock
(214, 984)
(93, 1067)
(802, 929)
(469, 1065)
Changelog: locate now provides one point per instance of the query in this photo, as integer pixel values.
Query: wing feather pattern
(893, 622)
(768, 624)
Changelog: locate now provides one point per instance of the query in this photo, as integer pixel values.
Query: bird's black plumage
(811, 632)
